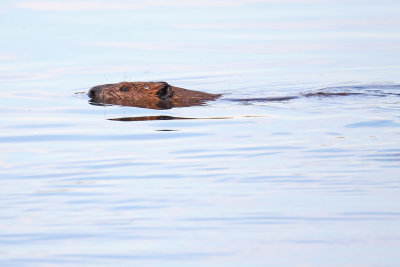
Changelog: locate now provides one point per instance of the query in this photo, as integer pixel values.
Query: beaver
(153, 95)
(161, 95)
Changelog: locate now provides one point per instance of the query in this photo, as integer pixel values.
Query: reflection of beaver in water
(154, 95)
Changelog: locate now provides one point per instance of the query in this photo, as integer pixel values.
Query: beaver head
(154, 95)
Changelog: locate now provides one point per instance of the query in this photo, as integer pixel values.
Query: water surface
(297, 164)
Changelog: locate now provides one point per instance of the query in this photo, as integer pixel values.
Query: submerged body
(154, 95)
(161, 95)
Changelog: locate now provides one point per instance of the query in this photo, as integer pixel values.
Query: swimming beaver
(161, 95)
(154, 95)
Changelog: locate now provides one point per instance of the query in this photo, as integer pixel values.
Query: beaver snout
(95, 92)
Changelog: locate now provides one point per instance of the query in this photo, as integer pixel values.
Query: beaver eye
(124, 89)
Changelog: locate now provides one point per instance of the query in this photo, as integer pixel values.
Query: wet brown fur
(154, 95)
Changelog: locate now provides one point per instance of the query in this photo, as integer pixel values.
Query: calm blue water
(306, 182)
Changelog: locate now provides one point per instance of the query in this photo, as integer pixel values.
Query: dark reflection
(150, 118)
(164, 118)
(99, 104)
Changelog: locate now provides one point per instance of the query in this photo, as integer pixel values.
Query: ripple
(373, 124)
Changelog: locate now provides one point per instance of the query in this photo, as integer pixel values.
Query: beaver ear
(165, 92)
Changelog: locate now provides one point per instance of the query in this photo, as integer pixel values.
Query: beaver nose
(94, 92)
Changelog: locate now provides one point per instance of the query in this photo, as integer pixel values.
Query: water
(311, 181)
